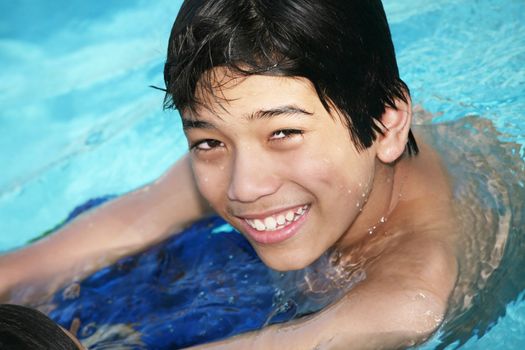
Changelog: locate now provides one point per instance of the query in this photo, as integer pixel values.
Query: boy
(299, 133)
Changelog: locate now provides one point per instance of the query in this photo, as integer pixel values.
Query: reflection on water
(302, 292)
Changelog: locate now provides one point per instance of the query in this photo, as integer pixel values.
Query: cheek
(310, 168)
(341, 182)
(211, 181)
(341, 171)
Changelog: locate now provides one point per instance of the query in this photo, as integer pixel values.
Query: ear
(396, 126)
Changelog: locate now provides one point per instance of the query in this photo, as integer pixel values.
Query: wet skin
(268, 147)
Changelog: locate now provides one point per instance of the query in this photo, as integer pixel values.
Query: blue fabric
(203, 284)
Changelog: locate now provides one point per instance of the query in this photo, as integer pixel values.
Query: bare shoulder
(422, 261)
(422, 231)
(415, 257)
(408, 283)
(424, 225)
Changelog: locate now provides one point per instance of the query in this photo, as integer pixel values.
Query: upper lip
(269, 212)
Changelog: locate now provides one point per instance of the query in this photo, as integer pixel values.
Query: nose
(252, 177)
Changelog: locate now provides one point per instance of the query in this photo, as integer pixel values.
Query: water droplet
(420, 296)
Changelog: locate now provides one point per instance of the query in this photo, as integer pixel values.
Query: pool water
(79, 121)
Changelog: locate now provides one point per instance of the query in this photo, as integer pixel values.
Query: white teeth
(259, 226)
(270, 223)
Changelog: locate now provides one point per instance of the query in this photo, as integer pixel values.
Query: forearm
(91, 241)
(365, 319)
(101, 236)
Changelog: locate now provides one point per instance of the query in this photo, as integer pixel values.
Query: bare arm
(402, 301)
(99, 237)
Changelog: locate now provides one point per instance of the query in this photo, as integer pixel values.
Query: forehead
(223, 91)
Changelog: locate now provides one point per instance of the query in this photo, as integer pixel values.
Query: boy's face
(278, 167)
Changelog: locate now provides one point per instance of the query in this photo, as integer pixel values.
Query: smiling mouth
(277, 221)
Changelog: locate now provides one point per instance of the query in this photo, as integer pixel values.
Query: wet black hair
(344, 47)
(23, 328)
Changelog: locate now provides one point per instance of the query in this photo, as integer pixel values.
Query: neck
(382, 200)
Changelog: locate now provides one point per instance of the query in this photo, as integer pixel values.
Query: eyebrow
(188, 124)
(286, 110)
(278, 111)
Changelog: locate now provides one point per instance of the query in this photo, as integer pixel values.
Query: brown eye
(285, 133)
(206, 145)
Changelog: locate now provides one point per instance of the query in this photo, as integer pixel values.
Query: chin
(287, 263)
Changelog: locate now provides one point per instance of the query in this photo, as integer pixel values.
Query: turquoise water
(78, 119)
